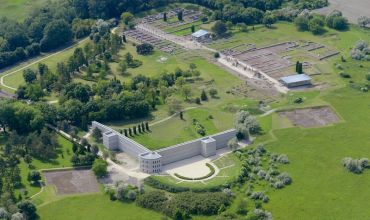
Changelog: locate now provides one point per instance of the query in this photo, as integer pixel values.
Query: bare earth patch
(72, 181)
(311, 117)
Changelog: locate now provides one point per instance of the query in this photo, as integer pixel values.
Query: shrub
(284, 178)
(282, 158)
(155, 200)
(368, 77)
(339, 66)
(100, 168)
(257, 195)
(355, 165)
(260, 214)
(233, 143)
(345, 75)
(144, 49)
(213, 92)
(197, 100)
(217, 55)
(34, 176)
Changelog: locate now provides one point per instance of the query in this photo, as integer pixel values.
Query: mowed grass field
(322, 188)
(96, 206)
(19, 9)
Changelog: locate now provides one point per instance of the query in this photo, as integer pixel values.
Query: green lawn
(19, 9)
(62, 160)
(177, 131)
(322, 188)
(229, 166)
(16, 79)
(97, 206)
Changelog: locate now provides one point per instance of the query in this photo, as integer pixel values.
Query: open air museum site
(184, 109)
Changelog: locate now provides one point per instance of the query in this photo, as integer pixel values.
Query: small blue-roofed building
(201, 35)
(296, 80)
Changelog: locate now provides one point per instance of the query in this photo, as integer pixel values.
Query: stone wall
(193, 148)
(116, 141)
(151, 162)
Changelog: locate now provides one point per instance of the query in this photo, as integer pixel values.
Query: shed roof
(200, 33)
(295, 78)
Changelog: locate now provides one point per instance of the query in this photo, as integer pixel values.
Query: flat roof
(295, 78)
(200, 33)
(150, 155)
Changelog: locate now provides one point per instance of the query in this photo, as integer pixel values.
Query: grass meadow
(19, 9)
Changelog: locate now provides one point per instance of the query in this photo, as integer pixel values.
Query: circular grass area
(210, 174)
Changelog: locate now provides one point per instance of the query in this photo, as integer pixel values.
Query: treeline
(107, 99)
(58, 23)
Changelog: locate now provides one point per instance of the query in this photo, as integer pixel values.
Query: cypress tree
(204, 96)
(142, 126)
(165, 17)
(297, 67)
(135, 132)
(130, 132)
(125, 131)
(147, 126)
(139, 128)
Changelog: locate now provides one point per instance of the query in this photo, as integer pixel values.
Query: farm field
(19, 9)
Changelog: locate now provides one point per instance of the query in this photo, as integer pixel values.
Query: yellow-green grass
(16, 79)
(229, 166)
(212, 76)
(58, 162)
(96, 206)
(19, 9)
(322, 188)
(175, 130)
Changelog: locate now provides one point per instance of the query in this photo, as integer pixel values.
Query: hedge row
(199, 178)
(155, 183)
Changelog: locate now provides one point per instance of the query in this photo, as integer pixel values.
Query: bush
(144, 49)
(284, 178)
(34, 176)
(155, 200)
(217, 55)
(368, 77)
(345, 75)
(282, 158)
(213, 92)
(100, 168)
(355, 165)
(233, 143)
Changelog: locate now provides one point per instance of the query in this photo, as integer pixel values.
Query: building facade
(152, 161)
